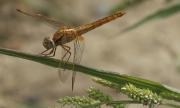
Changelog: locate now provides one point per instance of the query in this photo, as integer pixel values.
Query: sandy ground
(150, 51)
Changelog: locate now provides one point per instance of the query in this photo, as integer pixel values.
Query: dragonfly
(66, 34)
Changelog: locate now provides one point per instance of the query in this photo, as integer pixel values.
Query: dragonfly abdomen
(87, 27)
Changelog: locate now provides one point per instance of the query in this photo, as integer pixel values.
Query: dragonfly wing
(49, 20)
(78, 52)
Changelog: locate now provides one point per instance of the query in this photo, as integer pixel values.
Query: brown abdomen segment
(87, 27)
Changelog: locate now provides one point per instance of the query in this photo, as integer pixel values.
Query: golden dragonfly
(66, 34)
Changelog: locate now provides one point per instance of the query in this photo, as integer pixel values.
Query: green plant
(125, 4)
(112, 80)
(166, 11)
(159, 14)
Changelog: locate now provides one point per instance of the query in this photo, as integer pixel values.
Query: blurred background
(144, 43)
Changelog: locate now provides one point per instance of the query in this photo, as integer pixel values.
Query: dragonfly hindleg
(67, 49)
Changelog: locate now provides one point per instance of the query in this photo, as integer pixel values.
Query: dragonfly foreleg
(49, 54)
(52, 51)
(42, 53)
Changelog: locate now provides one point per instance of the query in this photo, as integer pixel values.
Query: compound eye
(47, 43)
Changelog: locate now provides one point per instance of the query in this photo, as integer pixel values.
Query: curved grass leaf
(163, 13)
(125, 5)
(120, 80)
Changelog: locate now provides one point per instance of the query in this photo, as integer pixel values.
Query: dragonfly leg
(67, 49)
(49, 54)
(43, 53)
(52, 51)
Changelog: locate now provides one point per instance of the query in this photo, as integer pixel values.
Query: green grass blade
(121, 80)
(125, 5)
(159, 14)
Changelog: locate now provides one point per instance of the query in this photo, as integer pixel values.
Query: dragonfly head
(48, 43)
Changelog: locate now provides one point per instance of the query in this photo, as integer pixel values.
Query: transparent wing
(49, 20)
(78, 53)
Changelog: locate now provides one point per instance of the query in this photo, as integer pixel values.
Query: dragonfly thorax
(48, 43)
(64, 36)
